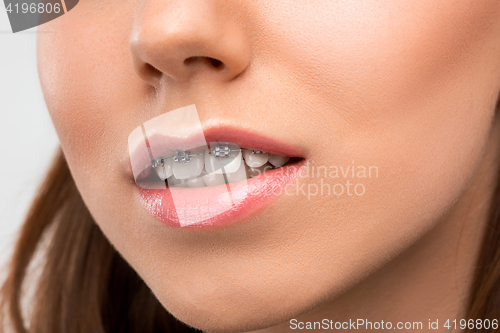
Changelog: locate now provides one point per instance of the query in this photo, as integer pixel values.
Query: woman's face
(404, 89)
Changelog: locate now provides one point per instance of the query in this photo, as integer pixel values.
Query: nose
(179, 39)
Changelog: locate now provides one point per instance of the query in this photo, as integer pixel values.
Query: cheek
(406, 86)
(90, 88)
(386, 62)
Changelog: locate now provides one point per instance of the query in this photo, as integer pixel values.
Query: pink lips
(217, 206)
(222, 205)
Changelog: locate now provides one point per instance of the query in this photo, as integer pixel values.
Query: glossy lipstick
(222, 205)
(217, 206)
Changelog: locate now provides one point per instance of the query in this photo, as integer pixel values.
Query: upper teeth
(255, 160)
(208, 167)
(221, 151)
(182, 156)
(192, 169)
(278, 160)
(164, 169)
(229, 162)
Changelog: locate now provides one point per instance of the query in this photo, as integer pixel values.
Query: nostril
(152, 71)
(215, 62)
(212, 62)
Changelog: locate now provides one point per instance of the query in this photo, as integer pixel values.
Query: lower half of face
(388, 105)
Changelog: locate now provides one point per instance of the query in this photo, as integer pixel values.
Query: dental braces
(184, 156)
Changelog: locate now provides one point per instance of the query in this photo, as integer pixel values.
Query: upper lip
(239, 136)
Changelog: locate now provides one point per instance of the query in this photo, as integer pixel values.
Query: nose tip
(188, 39)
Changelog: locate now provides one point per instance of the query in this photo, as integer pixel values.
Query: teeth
(238, 175)
(194, 169)
(255, 160)
(165, 171)
(254, 172)
(223, 164)
(189, 170)
(278, 160)
(196, 182)
(174, 182)
(213, 179)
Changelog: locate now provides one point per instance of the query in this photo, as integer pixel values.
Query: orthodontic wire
(184, 156)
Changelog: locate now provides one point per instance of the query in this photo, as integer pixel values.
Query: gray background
(27, 138)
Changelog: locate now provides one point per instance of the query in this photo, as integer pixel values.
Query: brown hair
(86, 286)
(84, 283)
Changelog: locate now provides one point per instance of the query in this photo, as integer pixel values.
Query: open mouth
(190, 176)
(197, 189)
(203, 189)
(223, 163)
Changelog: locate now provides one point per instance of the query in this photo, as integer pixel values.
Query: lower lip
(217, 206)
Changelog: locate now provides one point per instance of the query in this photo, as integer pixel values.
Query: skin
(407, 86)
